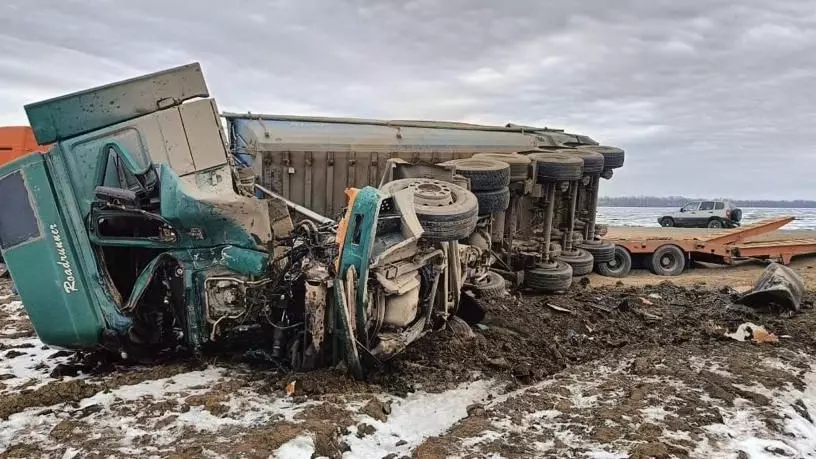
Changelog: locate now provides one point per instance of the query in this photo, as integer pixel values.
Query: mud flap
(778, 286)
(344, 331)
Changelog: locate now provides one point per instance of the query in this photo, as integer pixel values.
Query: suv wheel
(667, 222)
(715, 223)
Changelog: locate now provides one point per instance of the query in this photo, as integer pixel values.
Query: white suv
(704, 214)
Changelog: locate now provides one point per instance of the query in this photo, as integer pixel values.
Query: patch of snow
(296, 448)
(654, 413)
(415, 418)
(743, 428)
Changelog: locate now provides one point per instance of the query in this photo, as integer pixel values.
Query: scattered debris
(756, 333)
(290, 388)
(599, 307)
(645, 302)
(559, 308)
(655, 296)
(779, 287)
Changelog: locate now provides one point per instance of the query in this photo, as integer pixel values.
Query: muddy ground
(601, 371)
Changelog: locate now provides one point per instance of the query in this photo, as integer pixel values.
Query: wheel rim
(432, 194)
(667, 261)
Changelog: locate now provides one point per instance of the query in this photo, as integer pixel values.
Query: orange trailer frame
(17, 141)
(726, 246)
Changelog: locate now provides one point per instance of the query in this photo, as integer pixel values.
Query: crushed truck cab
(136, 233)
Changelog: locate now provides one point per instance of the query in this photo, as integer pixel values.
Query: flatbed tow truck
(668, 253)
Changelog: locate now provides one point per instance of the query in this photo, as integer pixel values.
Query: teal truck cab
(134, 232)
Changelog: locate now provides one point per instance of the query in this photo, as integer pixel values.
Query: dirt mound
(530, 338)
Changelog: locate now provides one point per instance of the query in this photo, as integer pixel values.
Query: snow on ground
(602, 411)
(593, 410)
(415, 418)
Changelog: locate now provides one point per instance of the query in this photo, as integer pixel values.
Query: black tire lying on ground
(557, 167)
(493, 201)
(619, 266)
(667, 260)
(593, 161)
(492, 285)
(444, 221)
(602, 251)
(580, 260)
(484, 174)
(519, 164)
(552, 278)
(613, 156)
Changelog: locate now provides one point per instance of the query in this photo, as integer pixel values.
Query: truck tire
(667, 260)
(593, 161)
(491, 202)
(613, 157)
(580, 260)
(447, 212)
(667, 222)
(492, 285)
(557, 167)
(519, 164)
(484, 174)
(619, 266)
(602, 251)
(549, 278)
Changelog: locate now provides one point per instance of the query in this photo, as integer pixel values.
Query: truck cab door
(47, 263)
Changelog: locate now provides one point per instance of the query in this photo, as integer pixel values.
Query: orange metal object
(727, 245)
(17, 141)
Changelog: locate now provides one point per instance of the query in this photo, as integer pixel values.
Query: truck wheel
(557, 167)
(619, 266)
(593, 161)
(519, 164)
(602, 251)
(613, 157)
(715, 223)
(492, 285)
(580, 260)
(493, 201)
(484, 174)
(667, 222)
(667, 260)
(447, 212)
(549, 277)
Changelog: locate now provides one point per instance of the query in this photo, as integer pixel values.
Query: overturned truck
(537, 187)
(138, 232)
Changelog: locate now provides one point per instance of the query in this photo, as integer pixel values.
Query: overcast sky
(707, 97)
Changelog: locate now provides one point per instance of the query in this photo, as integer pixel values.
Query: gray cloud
(707, 97)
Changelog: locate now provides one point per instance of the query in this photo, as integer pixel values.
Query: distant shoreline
(679, 201)
(602, 204)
